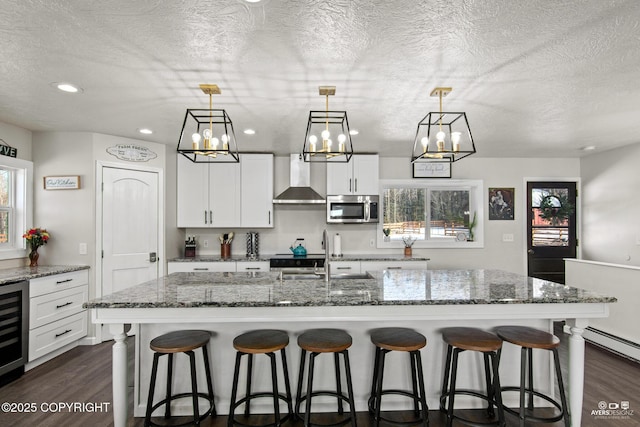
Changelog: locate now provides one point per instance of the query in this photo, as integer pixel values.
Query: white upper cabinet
(208, 194)
(256, 190)
(226, 194)
(358, 176)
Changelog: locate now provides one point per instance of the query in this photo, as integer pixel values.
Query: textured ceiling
(536, 78)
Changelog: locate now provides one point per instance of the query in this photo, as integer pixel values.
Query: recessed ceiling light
(252, 1)
(354, 132)
(145, 131)
(68, 87)
(249, 131)
(589, 148)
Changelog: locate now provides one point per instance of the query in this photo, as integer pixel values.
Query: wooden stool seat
(525, 336)
(472, 339)
(325, 341)
(180, 341)
(398, 339)
(261, 341)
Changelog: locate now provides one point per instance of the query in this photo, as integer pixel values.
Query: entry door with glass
(551, 223)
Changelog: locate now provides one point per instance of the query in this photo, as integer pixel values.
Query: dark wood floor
(83, 375)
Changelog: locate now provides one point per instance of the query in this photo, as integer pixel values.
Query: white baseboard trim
(47, 357)
(89, 341)
(613, 343)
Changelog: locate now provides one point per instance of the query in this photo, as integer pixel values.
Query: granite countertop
(266, 257)
(391, 287)
(9, 275)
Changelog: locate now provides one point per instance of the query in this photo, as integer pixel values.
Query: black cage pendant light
(327, 138)
(207, 136)
(442, 136)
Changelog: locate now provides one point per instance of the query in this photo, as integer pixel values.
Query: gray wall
(611, 206)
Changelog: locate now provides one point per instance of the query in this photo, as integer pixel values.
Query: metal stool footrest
(248, 398)
(329, 393)
(467, 421)
(208, 412)
(416, 399)
(555, 403)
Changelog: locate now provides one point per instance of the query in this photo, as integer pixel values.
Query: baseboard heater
(613, 343)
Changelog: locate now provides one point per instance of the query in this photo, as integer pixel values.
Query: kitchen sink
(311, 276)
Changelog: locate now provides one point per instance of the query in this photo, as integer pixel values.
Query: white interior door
(130, 223)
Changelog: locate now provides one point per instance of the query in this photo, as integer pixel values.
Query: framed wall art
(501, 204)
(432, 169)
(67, 182)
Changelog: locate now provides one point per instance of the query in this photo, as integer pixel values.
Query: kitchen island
(230, 303)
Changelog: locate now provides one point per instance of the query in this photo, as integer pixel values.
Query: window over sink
(432, 213)
(16, 187)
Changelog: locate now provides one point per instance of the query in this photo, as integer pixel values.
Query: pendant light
(207, 135)
(442, 136)
(327, 137)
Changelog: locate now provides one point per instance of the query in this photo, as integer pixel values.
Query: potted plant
(408, 243)
(35, 237)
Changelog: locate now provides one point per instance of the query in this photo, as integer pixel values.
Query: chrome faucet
(327, 269)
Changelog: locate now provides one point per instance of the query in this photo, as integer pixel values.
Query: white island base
(226, 323)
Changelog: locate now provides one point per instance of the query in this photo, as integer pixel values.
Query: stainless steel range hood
(299, 191)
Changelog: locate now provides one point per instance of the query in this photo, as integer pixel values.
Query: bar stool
(458, 340)
(398, 339)
(264, 341)
(530, 338)
(180, 342)
(318, 341)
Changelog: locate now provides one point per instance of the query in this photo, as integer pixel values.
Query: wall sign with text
(432, 169)
(70, 182)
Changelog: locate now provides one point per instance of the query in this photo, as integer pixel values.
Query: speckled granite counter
(228, 304)
(379, 257)
(9, 275)
(218, 258)
(398, 287)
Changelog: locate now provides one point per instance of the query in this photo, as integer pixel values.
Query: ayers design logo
(613, 410)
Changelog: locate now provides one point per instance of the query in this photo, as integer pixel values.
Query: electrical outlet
(372, 242)
(205, 243)
(82, 248)
(507, 237)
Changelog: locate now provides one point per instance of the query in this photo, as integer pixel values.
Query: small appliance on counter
(298, 248)
(190, 247)
(253, 244)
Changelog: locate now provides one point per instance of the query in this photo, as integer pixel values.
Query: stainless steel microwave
(352, 209)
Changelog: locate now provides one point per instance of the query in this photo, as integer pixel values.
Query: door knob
(531, 252)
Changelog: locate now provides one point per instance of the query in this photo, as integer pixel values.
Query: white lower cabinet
(195, 266)
(392, 265)
(56, 316)
(252, 266)
(344, 267)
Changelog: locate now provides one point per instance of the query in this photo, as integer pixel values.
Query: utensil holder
(407, 251)
(225, 250)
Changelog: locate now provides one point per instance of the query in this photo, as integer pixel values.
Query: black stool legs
(417, 378)
(338, 393)
(197, 418)
(449, 391)
(277, 396)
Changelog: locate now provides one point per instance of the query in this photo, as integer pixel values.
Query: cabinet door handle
(349, 185)
(394, 268)
(210, 217)
(64, 305)
(205, 217)
(252, 268)
(63, 281)
(343, 268)
(355, 187)
(269, 217)
(63, 333)
(200, 269)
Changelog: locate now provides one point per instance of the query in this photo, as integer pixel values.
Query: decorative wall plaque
(67, 182)
(132, 152)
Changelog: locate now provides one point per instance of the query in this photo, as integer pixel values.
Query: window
(433, 213)
(16, 186)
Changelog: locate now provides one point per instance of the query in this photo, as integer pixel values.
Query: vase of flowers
(35, 237)
(408, 243)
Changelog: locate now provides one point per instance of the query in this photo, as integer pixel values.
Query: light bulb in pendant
(425, 143)
(312, 143)
(325, 134)
(440, 140)
(225, 141)
(341, 140)
(455, 141)
(195, 138)
(215, 142)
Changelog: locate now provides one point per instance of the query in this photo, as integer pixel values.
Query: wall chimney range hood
(299, 191)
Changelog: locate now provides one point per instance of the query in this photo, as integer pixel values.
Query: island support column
(119, 373)
(576, 369)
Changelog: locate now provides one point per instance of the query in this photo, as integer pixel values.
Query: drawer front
(392, 265)
(48, 338)
(252, 266)
(57, 305)
(186, 267)
(344, 267)
(57, 282)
